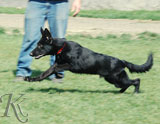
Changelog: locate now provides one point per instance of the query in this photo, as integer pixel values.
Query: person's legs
(34, 20)
(58, 20)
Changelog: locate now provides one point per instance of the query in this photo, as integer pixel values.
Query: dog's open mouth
(39, 56)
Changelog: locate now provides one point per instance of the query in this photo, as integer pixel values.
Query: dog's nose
(31, 54)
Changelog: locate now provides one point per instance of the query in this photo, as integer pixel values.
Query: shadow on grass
(57, 90)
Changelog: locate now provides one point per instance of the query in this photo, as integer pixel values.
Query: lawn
(107, 14)
(84, 99)
(117, 14)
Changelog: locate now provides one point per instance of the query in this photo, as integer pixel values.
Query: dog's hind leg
(136, 83)
(123, 89)
(124, 82)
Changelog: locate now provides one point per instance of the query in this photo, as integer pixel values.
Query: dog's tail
(140, 68)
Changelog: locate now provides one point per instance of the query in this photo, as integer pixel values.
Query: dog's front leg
(61, 67)
(52, 70)
(41, 76)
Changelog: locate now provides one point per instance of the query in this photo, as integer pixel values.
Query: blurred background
(100, 4)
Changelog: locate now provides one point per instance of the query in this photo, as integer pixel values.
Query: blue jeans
(56, 13)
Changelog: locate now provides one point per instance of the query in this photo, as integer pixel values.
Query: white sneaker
(19, 79)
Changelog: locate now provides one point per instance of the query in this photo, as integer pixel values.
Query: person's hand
(76, 6)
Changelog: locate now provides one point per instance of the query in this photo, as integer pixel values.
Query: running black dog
(77, 59)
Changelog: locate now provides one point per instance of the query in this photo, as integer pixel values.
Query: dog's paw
(29, 79)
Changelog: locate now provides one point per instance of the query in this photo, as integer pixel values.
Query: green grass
(106, 14)
(117, 14)
(2, 31)
(12, 10)
(85, 99)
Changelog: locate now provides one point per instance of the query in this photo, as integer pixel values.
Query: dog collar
(59, 51)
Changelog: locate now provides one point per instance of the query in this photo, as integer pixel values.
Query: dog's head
(44, 46)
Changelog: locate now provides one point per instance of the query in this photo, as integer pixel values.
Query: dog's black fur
(77, 59)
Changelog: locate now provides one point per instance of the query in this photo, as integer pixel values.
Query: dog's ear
(42, 32)
(47, 33)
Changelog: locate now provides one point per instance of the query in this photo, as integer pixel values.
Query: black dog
(75, 58)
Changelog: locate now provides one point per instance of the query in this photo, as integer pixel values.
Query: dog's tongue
(37, 57)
